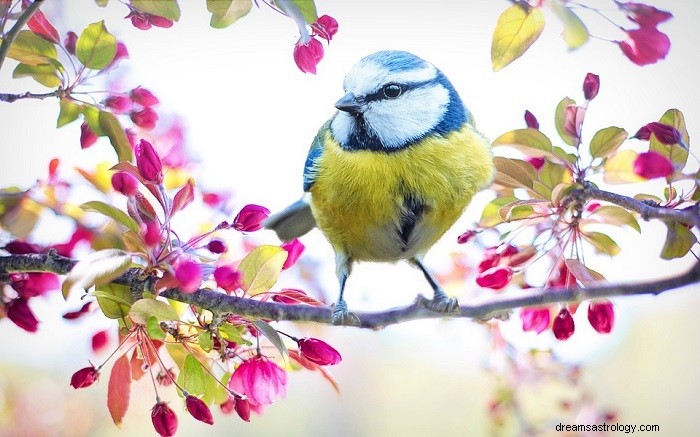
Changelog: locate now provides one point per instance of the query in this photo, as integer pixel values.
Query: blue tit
(391, 171)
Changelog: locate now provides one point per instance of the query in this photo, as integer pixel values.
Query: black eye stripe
(380, 94)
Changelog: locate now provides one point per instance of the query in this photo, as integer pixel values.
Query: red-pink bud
(145, 118)
(72, 315)
(159, 21)
(574, 119)
(664, 133)
(19, 312)
(99, 340)
(466, 236)
(601, 316)
(87, 136)
(198, 409)
(644, 15)
(307, 56)
(495, 277)
(535, 319)
(164, 420)
(325, 27)
(148, 162)
(591, 85)
(21, 247)
(139, 20)
(151, 233)
(125, 183)
(143, 97)
(592, 206)
(34, 283)
(250, 218)
(645, 46)
(118, 104)
(644, 133)
(122, 53)
(84, 377)
(216, 246)
(563, 326)
(531, 120)
(70, 42)
(189, 274)
(227, 278)
(536, 162)
(490, 259)
(318, 351)
(294, 250)
(651, 164)
(242, 407)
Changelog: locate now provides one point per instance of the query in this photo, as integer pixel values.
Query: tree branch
(14, 31)
(9, 98)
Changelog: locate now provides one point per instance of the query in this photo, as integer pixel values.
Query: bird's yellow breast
(359, 197)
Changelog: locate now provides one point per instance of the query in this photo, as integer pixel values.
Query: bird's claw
(342, 316)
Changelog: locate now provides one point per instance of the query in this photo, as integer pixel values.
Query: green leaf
(92, 118)
(675, 152)
(112, 212)
(163, 8)
(308, 10)
(272, 335)
(96, 47)
(97, 268)
(154, 330)
(530, 141)
(214, 393)
(560, 119)
(114, 300)
(606, 141)
(615, 215)
(68, 112)
(575, 32)
(101, 3)
(205, 341)
(115, 132)
(192, 376)
(552, 175)
(29, 48)
(583, 274)
(119, 389)
(520, 209)
(602, 243)
(517, 29)
(679, 240)
(226, 12)
(45, 74)
(515, 173)
(232, 333)
(143, 309)
(490, 215)
(261, 267)
(619, 168)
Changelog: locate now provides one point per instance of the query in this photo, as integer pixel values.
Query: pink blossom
(139, 20)
(535, 319)
(87, 136)
(199, 410)
(260, 380)
(19, 312)
(148, 162)
(591, 85)
(118, 104)
(294, 250)
(592, 206)
(651, 164)
(250, 218)
(574, 120)
(227, 278)
(124, 183)
(665, 133)
(72, 315)
(563, 326)
(644, 15)
(99, 340)
(325, 27)
(84, 377)
(164, 419)
(318, 351)
(145, 118)
(495, 277)
(143, 97)
(536, 162)
(645, 46)
(150, 232)
(308, 55)
(466, 236)
(189, 274)
(34, 283)
(159, 21)
(601, 316)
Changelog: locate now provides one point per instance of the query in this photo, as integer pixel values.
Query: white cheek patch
(342, 127)
(408, 117)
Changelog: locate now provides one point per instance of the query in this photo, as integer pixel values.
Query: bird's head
(393, 99)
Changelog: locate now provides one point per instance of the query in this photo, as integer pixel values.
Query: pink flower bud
(644, 133)
(536, 162)
(72, 315)
(531, 120)
(250, 218)
(19, 312)
(495, 277)
(216, 246)
(601, 316)
(664, 133)
(198, 409)
(139, 20)
(164, 420)
(21, 247)
(125, 183)
(308, 55)
(118, 104)
(574, 119)
(143, 97)
(99, 341)
(242, 407)
(150, 232)
(148, 162)
(592, 206)
(159, 21)
(145, 118)
(70, 42)
(35, 283)
(644, 15)
(318, 351)
(227, 278)
(591, 85)
(645, 46)
(466, 236)
(189, 274)
(651, 164)
(87, 137)
(294, 250)
(260, 379)
(535, 319)
(563, 326)
(325, 27)
(122, 53)
(84, 377)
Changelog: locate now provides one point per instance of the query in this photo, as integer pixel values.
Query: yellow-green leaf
(192, 376)
(619, 169)
(583, 274)
(530, 141)
(520, 209)
(117, 137)
(154, 330)
(226, 12)
(490, 215)
(517, 29)
(675, 152)
(575, 33)
(205, 341)
(68, 112)
(30, 48)
(144, 309)
(514, 173)
(606, 141)
(45, 74)
(261, 267)
(114, 300)
(96, 268)
(679, 240)
(163, 8)
(272, 335)
(110, 211)
(615, 215)
(560, 119)
(232, 333)
(308, 10)
(602, 243)
(92, 118)
(96, 47)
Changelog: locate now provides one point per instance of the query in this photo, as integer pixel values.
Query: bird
(391, 171)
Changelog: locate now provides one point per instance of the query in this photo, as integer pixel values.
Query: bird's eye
(392, 91)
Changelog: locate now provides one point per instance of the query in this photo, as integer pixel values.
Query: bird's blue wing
(315, 152)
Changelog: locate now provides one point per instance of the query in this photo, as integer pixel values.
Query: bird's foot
(441, 303)
(342, 316)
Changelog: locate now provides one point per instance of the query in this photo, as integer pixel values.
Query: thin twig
(14, 31)
(9, 98)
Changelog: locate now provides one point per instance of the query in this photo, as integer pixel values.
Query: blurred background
(249, 116)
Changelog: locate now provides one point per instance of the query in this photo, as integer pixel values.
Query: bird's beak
(350, 103)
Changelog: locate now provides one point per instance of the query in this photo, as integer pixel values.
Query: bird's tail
(293, 221)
